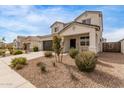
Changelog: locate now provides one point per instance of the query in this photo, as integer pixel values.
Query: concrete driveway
(9, 78)
(112, 64)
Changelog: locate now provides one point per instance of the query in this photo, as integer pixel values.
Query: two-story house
(83, 33)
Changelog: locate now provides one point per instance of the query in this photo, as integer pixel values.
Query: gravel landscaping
(108, 73)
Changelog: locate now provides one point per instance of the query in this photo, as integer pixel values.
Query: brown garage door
(112, 47)
(47, 45)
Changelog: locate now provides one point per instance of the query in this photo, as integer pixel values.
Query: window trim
(86, 21)
(55, 29)
(85, 40)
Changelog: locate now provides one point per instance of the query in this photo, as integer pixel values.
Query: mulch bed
(67, 75)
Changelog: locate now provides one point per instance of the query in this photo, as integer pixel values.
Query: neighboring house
(1, 43)
(122, 46)
(18, 42)
(29, 42)
(83, 33)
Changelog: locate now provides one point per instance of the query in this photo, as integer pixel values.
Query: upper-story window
(86, 21)
(56, 29)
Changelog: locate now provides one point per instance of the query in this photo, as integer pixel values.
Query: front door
(72, 43)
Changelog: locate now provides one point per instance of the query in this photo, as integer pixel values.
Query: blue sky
(36, 20)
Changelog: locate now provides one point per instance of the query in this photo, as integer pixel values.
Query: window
(84, 41)
(87, 21)
(55, 29)
(84, 21)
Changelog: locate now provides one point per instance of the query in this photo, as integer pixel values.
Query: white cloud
(29, 20)
(114, 35)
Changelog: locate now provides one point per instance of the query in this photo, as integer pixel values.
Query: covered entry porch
(81, 37)
(80, 42)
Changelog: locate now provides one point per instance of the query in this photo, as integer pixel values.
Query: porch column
(62, 43)
(92, 41)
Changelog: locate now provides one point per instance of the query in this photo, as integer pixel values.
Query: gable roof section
(81, 24)
(32, 38)
(99, 12)
(57, 22)
(44, 36)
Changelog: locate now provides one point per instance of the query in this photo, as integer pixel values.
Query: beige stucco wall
(122, 46)
(39, 44)
(36, 44)
(96, 19)
(76, 32)
(46, 38)
(78, 46)
(60, 26)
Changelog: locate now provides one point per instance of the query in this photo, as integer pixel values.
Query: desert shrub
(73, 77)
(54, 64)
(43, 67)
(73, 52)
(48, 54)
(11, 51)
(86, 61)
(35, 49)
(2, 53)
(38, 64)
(19, 66)
(17, 52)
(20, 60)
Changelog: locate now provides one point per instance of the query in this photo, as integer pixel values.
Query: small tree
(57, 48)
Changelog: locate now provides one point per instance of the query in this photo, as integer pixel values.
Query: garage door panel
(47, 45)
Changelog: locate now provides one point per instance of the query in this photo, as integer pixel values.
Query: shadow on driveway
(104, 64)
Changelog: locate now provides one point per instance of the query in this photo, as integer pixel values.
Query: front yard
(108, 72)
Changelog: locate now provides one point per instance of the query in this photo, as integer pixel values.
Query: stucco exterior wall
(36, 44)
(122, 46)
(78, 46)
(60, 26)
(96, 19)
(39, 44)
(76, 30)
(46, 38)
(93, 42)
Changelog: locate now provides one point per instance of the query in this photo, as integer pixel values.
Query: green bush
(17, 52)
(20, 60)
(86, 61)
(48, 54)
(73, 52)
(35, 49)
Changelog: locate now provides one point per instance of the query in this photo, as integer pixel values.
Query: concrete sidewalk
(9, 78)
(29, 56)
